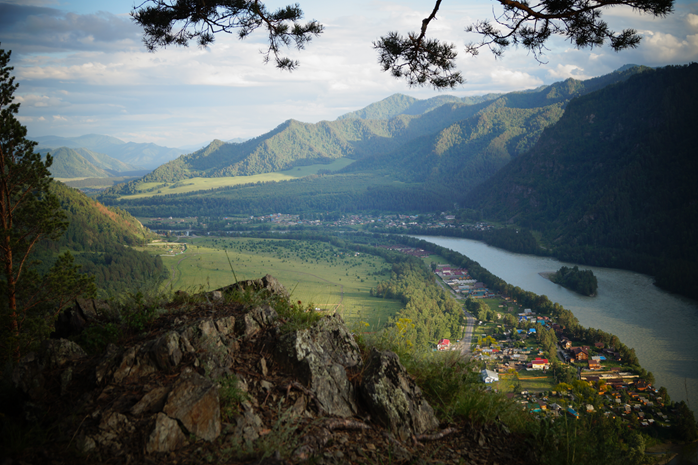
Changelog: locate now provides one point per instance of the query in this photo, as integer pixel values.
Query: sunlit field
(315, 273)
(151, 189)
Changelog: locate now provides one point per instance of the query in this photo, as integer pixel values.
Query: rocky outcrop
(320, 356)
(224, 373)
(55, 354)
(394, 398)
(194, 402)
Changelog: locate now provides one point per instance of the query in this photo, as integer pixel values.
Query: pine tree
(29, 214)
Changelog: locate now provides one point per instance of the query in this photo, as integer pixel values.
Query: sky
(83, 69)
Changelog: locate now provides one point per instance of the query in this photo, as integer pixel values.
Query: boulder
(268, 285)
(28, 375)
(114, 428)
(166, 435)
(254, 320)
(152, 401)
(393, 398)
(320, 356)
(245, 426)
(194, 402)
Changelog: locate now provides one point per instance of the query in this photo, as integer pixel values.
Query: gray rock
(105, 366)
(245, 426)
(166, 352)
(194, 402)
(153, 401)
(268, 285)
(28, 375)
(393, 398)
(58, 352)
(166, 435)
(319, 356)
(113, 429)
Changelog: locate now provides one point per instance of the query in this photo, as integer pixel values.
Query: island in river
(580, 281)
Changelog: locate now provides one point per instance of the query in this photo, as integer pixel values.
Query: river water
(662, 327)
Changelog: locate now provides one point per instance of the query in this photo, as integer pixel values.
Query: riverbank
(626, 305)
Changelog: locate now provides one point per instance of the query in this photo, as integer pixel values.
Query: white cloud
(562, 72)
(692, 20)
(514, 79)
(39, 101)
(92, 71)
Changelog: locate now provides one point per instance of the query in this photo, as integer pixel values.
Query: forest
(101, 240)
(581, 281)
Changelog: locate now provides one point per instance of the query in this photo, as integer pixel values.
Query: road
(464, 344)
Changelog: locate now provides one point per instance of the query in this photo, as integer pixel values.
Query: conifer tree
(29, 214)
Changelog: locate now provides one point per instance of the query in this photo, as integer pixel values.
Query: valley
(328, 278)
(346, 215)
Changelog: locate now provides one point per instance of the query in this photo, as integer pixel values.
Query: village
(576, 379)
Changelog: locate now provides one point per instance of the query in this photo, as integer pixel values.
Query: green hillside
(68, 163)
(468, 152)
(296, 144)
(101, 238)
(138, 155)
(613, 182)
(446, 151)
(399, 104)
(83, 163)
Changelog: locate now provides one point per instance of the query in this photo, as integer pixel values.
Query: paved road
(464, 345)
(465, 342)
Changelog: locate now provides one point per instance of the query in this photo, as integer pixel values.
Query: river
(662, 327)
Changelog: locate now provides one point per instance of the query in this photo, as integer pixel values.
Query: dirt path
(174, 270)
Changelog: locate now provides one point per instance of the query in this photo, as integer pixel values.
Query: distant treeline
(337, 193)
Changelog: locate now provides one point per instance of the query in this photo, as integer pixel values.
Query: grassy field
(315, 272)
(536, 381)
(196, 184)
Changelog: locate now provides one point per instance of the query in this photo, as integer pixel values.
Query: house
(579, 353)
(489, 376)
(540, 364)
(566, 343)
(594, 364)
(443, 344)
(599, 345)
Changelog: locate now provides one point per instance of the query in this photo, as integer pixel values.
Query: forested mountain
(141, 155)
(457, 144)
(469, 151)
(78, 163)
(100, 238)
(613, 182)
(400, 104)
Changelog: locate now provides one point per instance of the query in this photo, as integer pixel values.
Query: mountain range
(604, 168)
(444, 140)
(139, 155)
(80, 162)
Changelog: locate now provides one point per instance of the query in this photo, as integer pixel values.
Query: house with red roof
(443, 344)
(540, 364)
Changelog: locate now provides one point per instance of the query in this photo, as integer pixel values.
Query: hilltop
(611, 183)
(240, 375)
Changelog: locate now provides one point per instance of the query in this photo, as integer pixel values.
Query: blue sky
(82, 67)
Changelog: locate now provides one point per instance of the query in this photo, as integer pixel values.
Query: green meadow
(151, 189)
(316, 273)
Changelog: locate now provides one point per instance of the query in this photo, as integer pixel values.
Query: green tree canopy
(29, 214)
